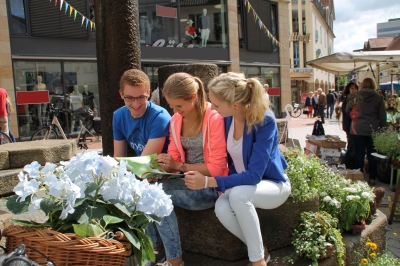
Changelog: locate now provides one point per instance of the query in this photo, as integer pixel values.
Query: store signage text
(171, 43)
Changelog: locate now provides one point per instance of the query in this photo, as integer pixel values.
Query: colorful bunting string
(76, 12)
(261, 24)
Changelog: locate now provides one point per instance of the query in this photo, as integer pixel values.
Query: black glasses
(141, 98)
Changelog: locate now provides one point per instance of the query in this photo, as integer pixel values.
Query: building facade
(391, 28)
(311, 37)
(48, 50)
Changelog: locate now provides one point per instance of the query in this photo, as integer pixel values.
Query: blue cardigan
(261, 156)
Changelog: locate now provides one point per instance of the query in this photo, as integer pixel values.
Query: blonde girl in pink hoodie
(196, 142)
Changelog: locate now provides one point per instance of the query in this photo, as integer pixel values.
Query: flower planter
(357, 228)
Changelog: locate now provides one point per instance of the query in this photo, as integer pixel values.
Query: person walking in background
(10, 110)
(321, 104)
(256, 166)
(330, 103)
(3, 111)
(315, 97)
(310, 103)
(196, 142)
(368, 114)
(351, 88)
(266, 88)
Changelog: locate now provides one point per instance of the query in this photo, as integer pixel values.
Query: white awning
(343, 63)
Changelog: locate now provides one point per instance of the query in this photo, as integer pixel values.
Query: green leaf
(17, 207)
(147, 245)
(90, 188)
(121, 207)
(108, 219)
(94, 230)
(153, 218)
(138, 255)
(29, 223)
(92, 212)
(141, 220)
(79, 202)
(80, 229)
(48, 205)
(78, 213)
(131, 237)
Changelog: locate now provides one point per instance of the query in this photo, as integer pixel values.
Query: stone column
(6, 75)
(118, 49)
(284, 54)
(206, 72)
(233, 33)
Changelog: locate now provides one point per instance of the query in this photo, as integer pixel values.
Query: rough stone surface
(355, 244)
(4, 160)
(201, 232)
(282, 130)
(205, 72)
(5, 220)
(54, 151)
(8, 180)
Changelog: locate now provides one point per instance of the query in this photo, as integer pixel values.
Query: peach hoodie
(214, 141)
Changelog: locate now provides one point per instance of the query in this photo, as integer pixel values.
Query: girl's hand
(194, 180)
(166, 162)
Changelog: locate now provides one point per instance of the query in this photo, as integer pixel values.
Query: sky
(356, 21)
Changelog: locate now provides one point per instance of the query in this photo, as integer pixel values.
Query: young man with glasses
(140, 123)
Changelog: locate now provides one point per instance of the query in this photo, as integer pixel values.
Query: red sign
(32, 97)
(274, 91)
(304, 97)
(169, 12)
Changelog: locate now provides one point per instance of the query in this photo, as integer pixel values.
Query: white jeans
(236, 210)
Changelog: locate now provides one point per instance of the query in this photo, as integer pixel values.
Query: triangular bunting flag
(55, 2)
(70, 10)
(66, 7)
(61, 4)
(75, 13)
(83, 19)
(248, 7)
(91, 25)
(94, 26)
(87, 21)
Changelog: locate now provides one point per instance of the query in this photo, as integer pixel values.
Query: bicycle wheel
(88, 138)
(4, 139)
(44, 133)
(296, 112)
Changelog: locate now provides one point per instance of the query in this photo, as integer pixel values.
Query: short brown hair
(134, 77)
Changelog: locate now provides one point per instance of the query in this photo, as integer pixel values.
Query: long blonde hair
(182, 86)
(235, 88)
(10, 104)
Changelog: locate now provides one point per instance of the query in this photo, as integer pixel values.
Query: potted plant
(315, 237)
(90, 197)
(386, 142)
(355, 206)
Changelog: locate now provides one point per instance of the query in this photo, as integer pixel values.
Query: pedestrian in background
(10, 110)
(310, 103)
(330, 103)
(321, 105)
(315, 97)
(368, 114)
(3, 111)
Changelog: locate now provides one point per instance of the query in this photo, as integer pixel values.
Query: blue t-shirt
(137, 131)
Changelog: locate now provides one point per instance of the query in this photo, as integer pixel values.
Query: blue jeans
(361, 143)
(329, 110)
(185, 198)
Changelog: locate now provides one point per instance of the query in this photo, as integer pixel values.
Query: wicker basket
(67, 249)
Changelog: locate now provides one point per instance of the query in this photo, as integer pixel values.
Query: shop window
(18, 17)
(204, 25)
(156, 23)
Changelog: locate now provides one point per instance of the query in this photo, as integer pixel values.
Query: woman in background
(10, 110)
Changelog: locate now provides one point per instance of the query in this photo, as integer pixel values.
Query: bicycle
(297, 109)
(85, 135)
(4, 139)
